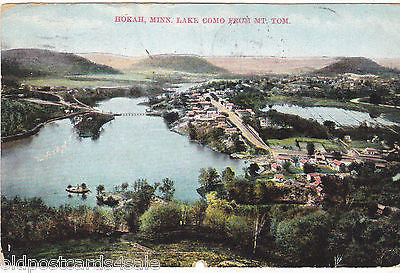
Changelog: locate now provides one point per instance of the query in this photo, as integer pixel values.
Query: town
(297, 161)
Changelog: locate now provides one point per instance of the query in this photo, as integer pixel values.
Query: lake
(338, 115)
(129, 147)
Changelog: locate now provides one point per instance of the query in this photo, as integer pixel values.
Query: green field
(183, 253)
(361, 145)
(321, 144)
(125, 79)
(87, 80)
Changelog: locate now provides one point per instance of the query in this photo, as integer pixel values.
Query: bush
(170, 117)
(160, 218)
(240, 230)
(302, 240)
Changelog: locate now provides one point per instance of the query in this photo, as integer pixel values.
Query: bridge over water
(132, 114)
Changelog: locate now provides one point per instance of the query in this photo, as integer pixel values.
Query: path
(247, 131)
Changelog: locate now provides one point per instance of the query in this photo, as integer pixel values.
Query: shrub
(160, 218)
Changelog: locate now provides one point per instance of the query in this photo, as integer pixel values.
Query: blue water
(128, 148)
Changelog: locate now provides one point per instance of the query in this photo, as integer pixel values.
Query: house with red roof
(279, 177)
(338, 165)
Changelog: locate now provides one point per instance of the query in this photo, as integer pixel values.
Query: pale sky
(315, 30)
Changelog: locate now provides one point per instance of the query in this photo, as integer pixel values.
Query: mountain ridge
(33, 62)
(179, 62)
(356, 65)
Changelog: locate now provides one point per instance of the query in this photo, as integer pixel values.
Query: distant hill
(248, 65)
(356, 65)
(20, 63)
(119, 62)
(184, 63)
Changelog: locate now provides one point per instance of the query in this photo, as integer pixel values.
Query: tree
(336, 192)
(375, 98)
(160, 218)
(253, 169)
(100, 189)
(310, 148)
(228, 176)
(142, 195)
(258, 214)
(238, 145)
(171, 117)
(216, 133)
(192, 131)
(209, 177)
(302, 240)
(133, 221)
(124, 186)
(337, 155)
(167, 189)
(209, 180)
(198, 211)
(218, 212)
(330, 125)
(286, 166)
(308, 168)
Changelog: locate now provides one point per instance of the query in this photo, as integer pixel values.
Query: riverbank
(36, 129)
(90, 123)
(23, 118)
(20, 118)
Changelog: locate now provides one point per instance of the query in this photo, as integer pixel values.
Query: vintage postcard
(228, 135)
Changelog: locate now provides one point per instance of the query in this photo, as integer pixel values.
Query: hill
(183, 63)
(266, 65)
(118, 62)
(20, 63)
(356, 65)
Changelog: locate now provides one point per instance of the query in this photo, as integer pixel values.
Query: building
(231, 131)
(264, 123)
(230, 106)
(276, 167)
(338, 165)
(313, 177)
(279, 177)
(347, 138)
(370, 151)
(282, 158)
(244, 113)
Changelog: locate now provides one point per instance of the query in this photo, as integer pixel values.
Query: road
(357, 100)
(61, 101)
(247, 131)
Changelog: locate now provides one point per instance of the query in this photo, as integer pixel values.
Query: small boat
(78, 189)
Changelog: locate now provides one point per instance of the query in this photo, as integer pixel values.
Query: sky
(368, 30)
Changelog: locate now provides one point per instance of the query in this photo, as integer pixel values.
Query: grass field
(183, 253)
(322, 144)
(126, 79)
(361, 145)
(67, 82)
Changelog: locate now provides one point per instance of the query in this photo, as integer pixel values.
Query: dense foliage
(19, 116)
(26, 222)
